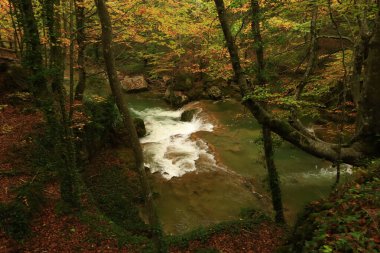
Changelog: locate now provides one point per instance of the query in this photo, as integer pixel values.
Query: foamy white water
(168, 147)
(328, 171)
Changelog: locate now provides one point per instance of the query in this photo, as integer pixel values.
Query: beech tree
(364, 144)
(51, 103)
(81, 41)
(274, 182)
(129, 126)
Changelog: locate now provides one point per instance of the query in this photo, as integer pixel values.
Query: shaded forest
(133, 126)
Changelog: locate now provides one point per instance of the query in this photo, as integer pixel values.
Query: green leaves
(347, 222)
(263, 94)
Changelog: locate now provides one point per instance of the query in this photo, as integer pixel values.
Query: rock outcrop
(134, 84)
(176, 98)
(214, 93)
(188, 115)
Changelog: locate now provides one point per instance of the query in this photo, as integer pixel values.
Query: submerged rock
(188, 115)
(134, 84)
(140, 127)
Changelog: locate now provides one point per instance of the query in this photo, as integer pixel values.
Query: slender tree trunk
(69, 176)
(57, 58)
(242, 81)
(312, 50)
(312, 54)
(34, 61)
(114, 82)
(239, 75)
(33, 55)
(360, 56)
(274, 182)
(81, 37)
(71, 57)
(371, 89)
(15, 31)
(258, 41)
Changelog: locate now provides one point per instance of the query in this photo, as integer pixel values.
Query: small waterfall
(169, 147)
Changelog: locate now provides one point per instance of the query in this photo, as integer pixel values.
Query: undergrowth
(250, 219)
(345, 222)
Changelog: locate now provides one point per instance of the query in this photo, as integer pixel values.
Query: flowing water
(205, 171)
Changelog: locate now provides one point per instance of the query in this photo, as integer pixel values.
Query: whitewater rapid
(169, 148)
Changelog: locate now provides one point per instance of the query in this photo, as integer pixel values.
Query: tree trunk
(57, 58)
(71, 56)
(274, 182)
(258, 41)
(81, 37)
(371, 89)
(360, 58)
(68, 174)
(33, 55)
(239, 75)
(242, 82)
(312, 54)
(18, 47)
(114, 82)
(353, 153)
(312, 51)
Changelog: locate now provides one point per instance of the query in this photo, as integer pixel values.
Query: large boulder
(140, 127)
(13, 77)
(134, 84)
(176, 98)
(188, 115)
(214, 93)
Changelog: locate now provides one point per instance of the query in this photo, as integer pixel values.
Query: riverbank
(32, 217)
(106, 221)
(110, 218)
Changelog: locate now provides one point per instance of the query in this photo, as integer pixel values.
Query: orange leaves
(243, 9)
(142, 11)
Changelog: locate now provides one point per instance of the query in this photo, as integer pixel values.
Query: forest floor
(263, 238)
(51, 231)
(48, 231)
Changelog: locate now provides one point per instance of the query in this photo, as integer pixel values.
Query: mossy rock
(188, 115)
(176, 99)
(215, 93)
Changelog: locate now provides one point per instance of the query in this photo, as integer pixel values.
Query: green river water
(207, 196)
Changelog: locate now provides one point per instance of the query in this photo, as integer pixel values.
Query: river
(207, 170)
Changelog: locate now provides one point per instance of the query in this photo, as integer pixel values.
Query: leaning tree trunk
(239, 75)
(114, 82)
(240, 78)
(274, 182)
(364, 145)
